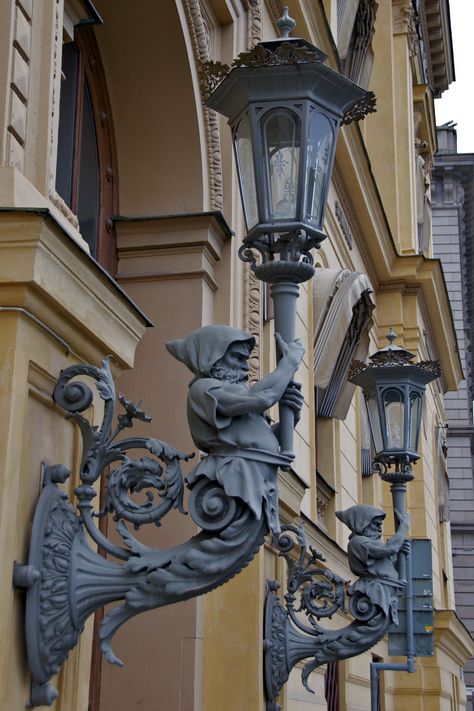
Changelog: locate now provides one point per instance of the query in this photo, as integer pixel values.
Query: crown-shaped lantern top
(392, 356)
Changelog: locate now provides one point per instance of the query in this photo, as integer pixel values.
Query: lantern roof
(393, 363)
(283, 69)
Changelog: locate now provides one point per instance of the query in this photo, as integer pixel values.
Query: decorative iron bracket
(66, 580)
(292, 631)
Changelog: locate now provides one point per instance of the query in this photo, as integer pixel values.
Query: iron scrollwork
(233, 500)
(313, 592)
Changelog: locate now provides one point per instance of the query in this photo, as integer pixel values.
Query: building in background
(119, 208)
(453, 235)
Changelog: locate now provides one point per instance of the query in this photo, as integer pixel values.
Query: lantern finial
(391, 337)
(285, 24)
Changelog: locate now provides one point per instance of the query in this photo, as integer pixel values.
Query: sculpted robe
(242, 451)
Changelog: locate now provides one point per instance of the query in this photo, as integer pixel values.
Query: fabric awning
(343, 304)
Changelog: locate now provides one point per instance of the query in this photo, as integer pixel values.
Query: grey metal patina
(234, 499)
(372, 599)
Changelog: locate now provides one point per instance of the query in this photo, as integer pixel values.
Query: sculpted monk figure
(373, 560)
(227, 417)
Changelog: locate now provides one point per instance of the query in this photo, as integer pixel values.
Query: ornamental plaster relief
(252, 287)
(404, 22)
(201, 36)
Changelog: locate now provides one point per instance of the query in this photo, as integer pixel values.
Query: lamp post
(393, 387)
(285, 108)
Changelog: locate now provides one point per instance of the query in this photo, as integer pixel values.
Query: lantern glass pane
(415, 419)
(393, 402)
(245, 166)
(374, 420)
(320, 140)
(282, 146)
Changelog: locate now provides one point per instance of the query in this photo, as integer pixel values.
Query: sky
(457, 103)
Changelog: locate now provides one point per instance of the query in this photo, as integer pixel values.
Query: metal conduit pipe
(409, 665)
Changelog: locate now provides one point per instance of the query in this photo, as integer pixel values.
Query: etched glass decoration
(415, 417)
(246, 171)
(394, 418)
(320, 143)
(374, 420)
(282, 145)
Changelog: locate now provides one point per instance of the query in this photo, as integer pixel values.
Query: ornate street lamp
(285, 108)
(393, 388)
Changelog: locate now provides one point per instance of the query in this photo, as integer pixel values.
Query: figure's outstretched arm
(269, 390)
(378, 549)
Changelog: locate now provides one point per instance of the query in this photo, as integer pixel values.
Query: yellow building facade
(120, 223)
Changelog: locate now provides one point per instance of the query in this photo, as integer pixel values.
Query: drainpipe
(409, 665)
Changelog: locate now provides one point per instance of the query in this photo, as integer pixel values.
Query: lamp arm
(66, 580)
(318, 592)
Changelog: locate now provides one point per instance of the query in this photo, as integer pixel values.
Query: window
(86, 174)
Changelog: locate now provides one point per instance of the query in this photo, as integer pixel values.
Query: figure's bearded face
(374, 529)
(230, 375)
(233, 367)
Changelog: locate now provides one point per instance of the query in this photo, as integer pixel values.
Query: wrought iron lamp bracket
(66, 580)
(292, 631)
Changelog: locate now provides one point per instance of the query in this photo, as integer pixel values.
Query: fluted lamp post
(285, 108)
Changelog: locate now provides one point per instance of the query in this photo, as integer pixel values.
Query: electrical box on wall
(422, 606)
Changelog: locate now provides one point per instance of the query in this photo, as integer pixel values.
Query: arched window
(86, 173)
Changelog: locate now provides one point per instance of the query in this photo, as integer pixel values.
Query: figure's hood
(204, 347)
(358, 517)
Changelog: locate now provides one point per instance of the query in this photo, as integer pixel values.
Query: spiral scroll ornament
(210, 507)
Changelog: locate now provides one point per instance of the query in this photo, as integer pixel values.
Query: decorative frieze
(254, 22)
(343, 224)
(252, 292)
(201, 34)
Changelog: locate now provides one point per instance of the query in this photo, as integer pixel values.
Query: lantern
(393, 389)
(285, 107)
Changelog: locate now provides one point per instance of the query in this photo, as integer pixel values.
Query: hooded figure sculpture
(227, 418)
(371, 559)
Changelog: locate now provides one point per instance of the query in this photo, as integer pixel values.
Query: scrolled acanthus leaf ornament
(317, 592)
(233, 499)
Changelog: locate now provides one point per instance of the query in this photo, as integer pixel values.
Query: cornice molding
(452, 636)
(383, 264)
(93, 314)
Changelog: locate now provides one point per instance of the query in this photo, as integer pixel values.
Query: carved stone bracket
(405, 22)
